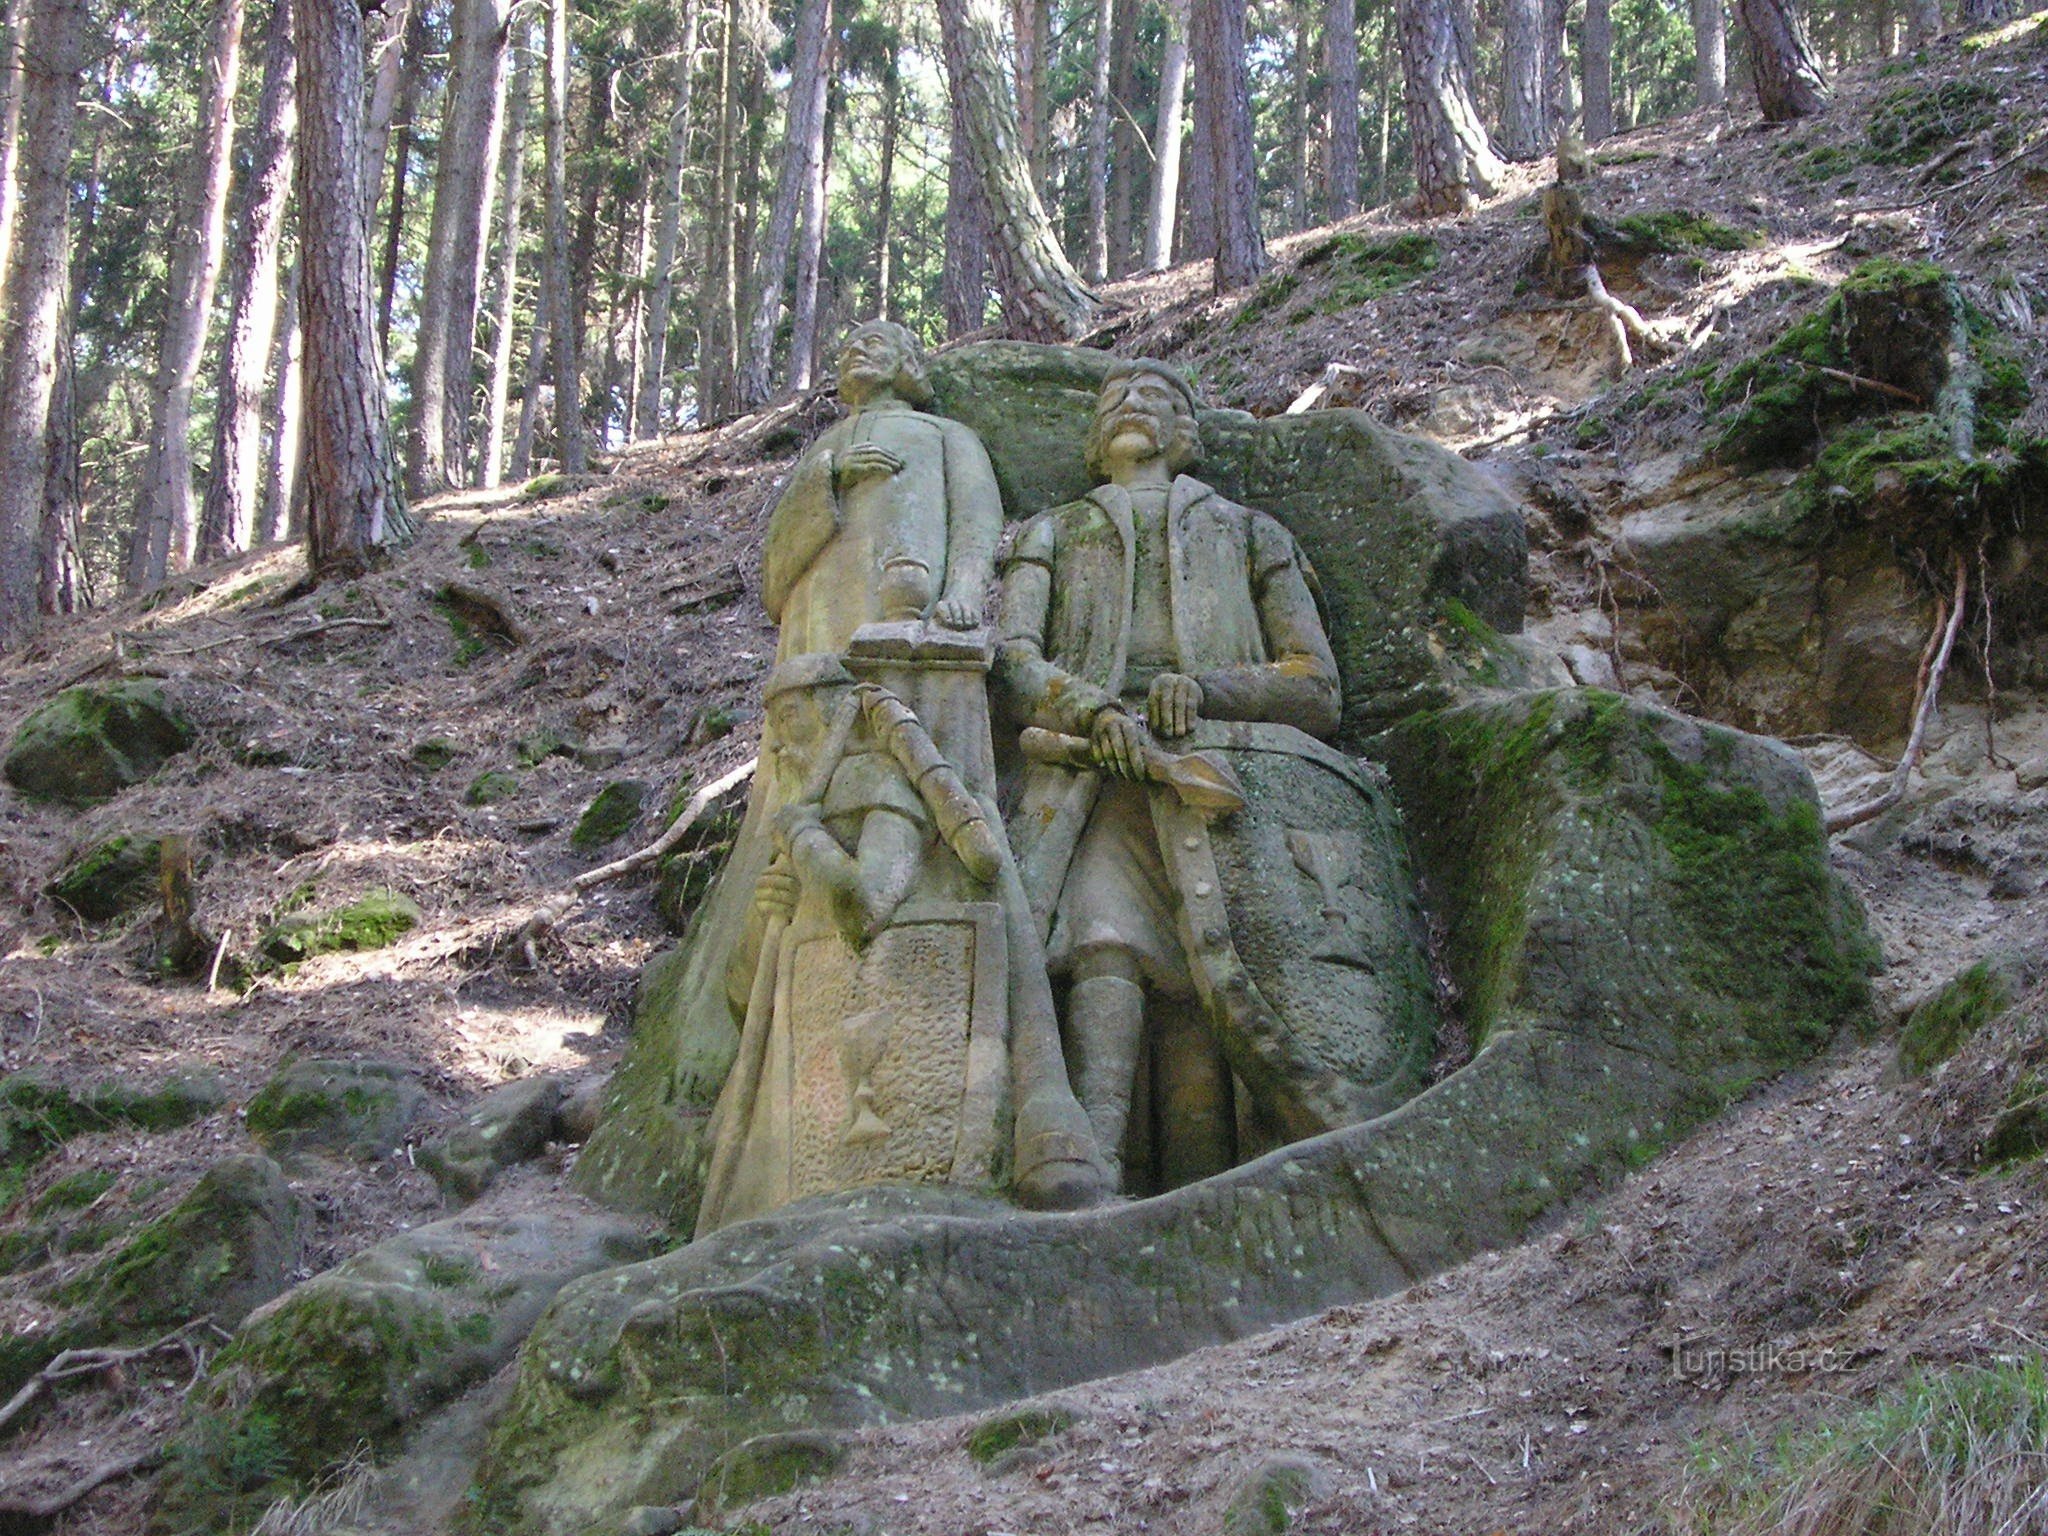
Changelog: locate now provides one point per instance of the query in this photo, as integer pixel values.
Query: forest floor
(1550, 1389)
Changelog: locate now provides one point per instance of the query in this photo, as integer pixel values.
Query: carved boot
(1106, 1019)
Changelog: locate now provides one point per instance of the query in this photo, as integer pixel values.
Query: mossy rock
(435, 753)
(223, 1251)
(2021, 1130)
(360, 1108)
(91, 742)
(1277, 1491)
(38, 1114)
(611, 815)
(508, 1125)
(109, 878)
(764, 1466)
(688, 871)
(1937, 1027)
(1639, 912)
(375, 921)
(1680, 231)
(357, 1354)
(491, 786)
(999, 1434)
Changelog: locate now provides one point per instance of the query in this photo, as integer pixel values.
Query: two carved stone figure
(1135, 924)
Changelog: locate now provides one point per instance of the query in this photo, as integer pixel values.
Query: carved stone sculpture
(1242, 974)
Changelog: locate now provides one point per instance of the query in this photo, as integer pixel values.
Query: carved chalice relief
(863, 1039)
(1330, 860)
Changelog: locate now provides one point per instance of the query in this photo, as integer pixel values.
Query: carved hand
(1173, 704)
(864, 461)
(775, 893)
(959, 612)
(1118, 743)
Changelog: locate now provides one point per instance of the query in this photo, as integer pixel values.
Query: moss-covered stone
(507, 1125)
(1937, 1027)
(376, 920)
(435, 753)
(360, 1108)
(222, 1251)
(1909, 124)
(38, 1113)
(91, 742)
(109, 878)
(2021, 1129)
(1000, 1433)
(358, 1353)
(491, 786)
(1683, 230)
(764, 1466)
(611, 815)
(1277, 1490)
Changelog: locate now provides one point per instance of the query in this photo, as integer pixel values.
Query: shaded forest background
(236, 235)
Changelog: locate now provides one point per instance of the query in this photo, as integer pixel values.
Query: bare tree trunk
(512, 182)
(54, 37)
(10, 123)
(521, 466)
(164, 526)
(668, 225)
(1173, 77)
(1030, 37)
(1789, 80)
(1124, 138)
(967, 238)
(1196, 239)
(718, 305)
(413, 61)
(357, 513)
(227, 519)
(63, 585)
(1340, 60)
(444, 346)
(885, 185)
(1097, 259)
(557, 281)
(284, 418)
(1558, 91)
(810, 252)
(1923, 21)
(387, 80)
(1298, 119)
(1383, 140)
(1226, 96)
(803, 154)
(1043, 298)
(1982, 13)
(1455, 166)
(1524, 117)
(1596, 52)
(1710, 61)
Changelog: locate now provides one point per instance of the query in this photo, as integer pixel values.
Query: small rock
(651, 1520)
(2032, 773)
(576, 1116)
(435, 753)
(356, 1107)
(764, 1466)
(90, 743)
(600, 757)
(1279, 1489)
(507, 1125)
(376, 921)
(491, 786)
(108, 878)
(995, 1439)
(611, 815)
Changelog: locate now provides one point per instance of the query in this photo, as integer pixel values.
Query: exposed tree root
(552, 912)
(24, 1517)
(1948, 622)
(73, 1363)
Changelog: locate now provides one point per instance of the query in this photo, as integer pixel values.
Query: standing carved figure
(1162, 647)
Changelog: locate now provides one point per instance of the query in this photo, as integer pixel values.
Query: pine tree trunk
(885, 188)
(413, 57)
(1923, 21)
(1097, 170)
(1789, 80)
(1710, 61)
(1340, 60)
(1030, 31)
(557, 281)
(227, 521)
(54, 36)
(1298, 120)
(1982, 13)
(520, 468)
(1596, 53)
(1558, 91)
(1226, 95)
(718, 304)
(63, 585)
(164, 526)
(512, 189)
(444, 345)
(356, 507)
(1196, 238)
(387, 82)
(1455, 166)
(810, 253)
(601, 73)
(1123, 134)
(1524, 115)
(803, 155)
(965, 279)
(1166, 137)
(1043, 298)
(10, 123)
(283, 419)
(668, 223)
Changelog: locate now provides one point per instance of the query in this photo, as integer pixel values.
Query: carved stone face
(1141, 416)
(871, 360)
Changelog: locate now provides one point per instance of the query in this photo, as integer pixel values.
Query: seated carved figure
(1156, 615)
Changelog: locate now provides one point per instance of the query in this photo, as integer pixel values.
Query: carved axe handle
(1203, 781)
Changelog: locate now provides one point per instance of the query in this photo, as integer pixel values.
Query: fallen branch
(1312, 397)
(1860, 382)
(1624, 320)
(551, 913)
(1948, 622)
(22, 1517)
(90, 1362)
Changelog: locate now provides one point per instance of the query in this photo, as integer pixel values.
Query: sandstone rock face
(90, 743)
(1639, 913)
(507, 1125)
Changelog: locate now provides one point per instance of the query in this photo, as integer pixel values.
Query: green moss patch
(611, 815)
(376, 921)
(109, 878)
(435, 753)
(357, 1107)
(1908, 126)
(764, 1466)
(2021, 1130)
(1683, 231)
(38, 1115)
(1937, 1027)
(999, 1434)
(491, 786)
(91, 742)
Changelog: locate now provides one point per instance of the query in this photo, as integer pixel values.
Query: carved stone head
(1172, 411)
(880, 356)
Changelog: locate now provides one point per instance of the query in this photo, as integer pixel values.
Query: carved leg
(1106, 1028)
(1192, 1095)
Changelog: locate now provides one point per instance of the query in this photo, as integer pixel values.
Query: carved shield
(1303, 918)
